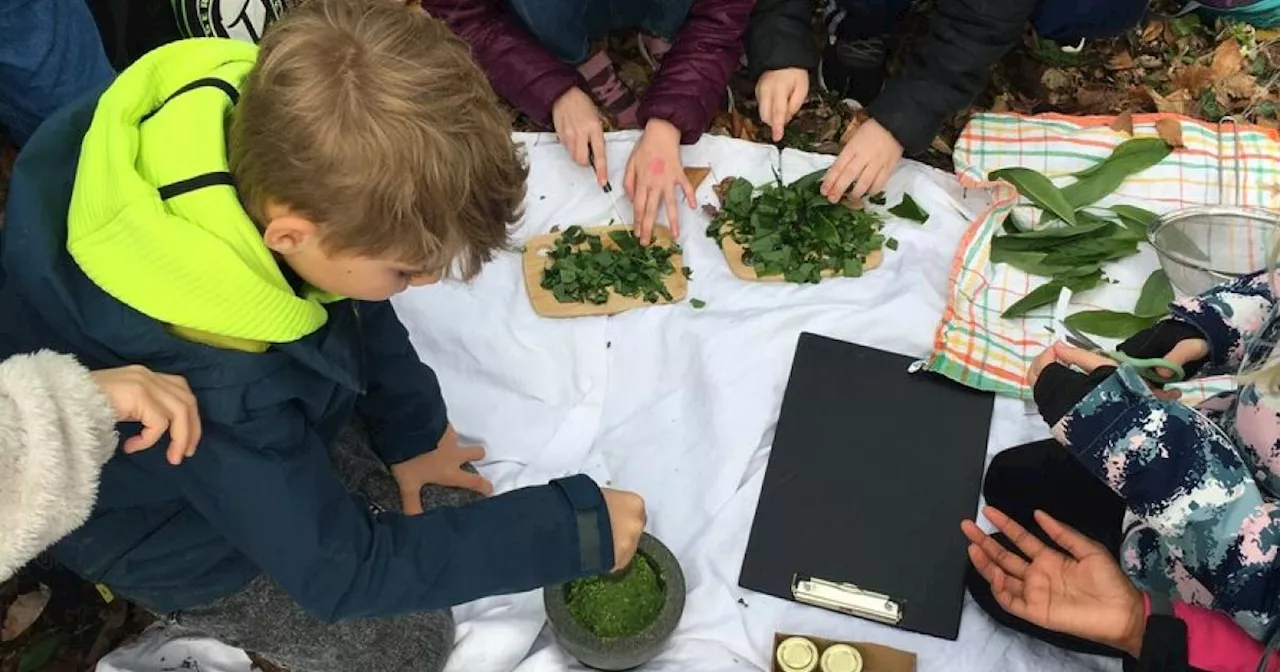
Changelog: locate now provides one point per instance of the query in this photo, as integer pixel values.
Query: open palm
(1085, 594)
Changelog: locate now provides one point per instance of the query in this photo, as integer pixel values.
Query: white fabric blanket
(679, 404)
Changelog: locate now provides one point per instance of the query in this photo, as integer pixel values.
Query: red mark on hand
(657, 166)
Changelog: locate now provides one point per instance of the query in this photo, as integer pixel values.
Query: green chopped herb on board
(584, 269)
(793, 231)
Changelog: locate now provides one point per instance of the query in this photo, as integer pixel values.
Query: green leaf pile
(584, 269)
(793, 231)
(1077, 241)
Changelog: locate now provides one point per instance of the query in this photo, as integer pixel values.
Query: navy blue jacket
(261, 494)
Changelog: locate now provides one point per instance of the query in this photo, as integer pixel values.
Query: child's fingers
(765, 99)
(778, 120)
(411, 501)
(796, 101)
(673, 219)
(470, 453)
(474, 482)
(629, 181)
(1078, 545)
(652, 198)
(153, 427)
(596, 142)
(1026, 542)
(638, 217)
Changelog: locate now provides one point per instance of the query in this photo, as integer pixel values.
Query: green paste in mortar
(618, 606)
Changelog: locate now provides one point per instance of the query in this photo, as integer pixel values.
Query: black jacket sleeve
(781, 36)
(403, 404)
(945, 72)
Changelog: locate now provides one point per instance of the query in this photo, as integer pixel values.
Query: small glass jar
(841, 658)
(797, 654)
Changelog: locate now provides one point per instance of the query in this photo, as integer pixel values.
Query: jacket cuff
(1060, 389)
(592, 529)
(397, 447)
(540, 104)
(690, 129)
(912, 128)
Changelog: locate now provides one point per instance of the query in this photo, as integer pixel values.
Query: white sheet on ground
(679, 404)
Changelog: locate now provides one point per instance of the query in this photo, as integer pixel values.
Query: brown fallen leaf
(743, 128)
(696, 175)
(1178, 102)
(1193, 78)
(723, 186)
(24, 611)
(860, 117)
(1227, 60)
(1153, 31)
(1056, 79)
(1001, 103)
(1123, 123)
(940, 145)
(1121, 60)
(1240, 85)
(1170, 130)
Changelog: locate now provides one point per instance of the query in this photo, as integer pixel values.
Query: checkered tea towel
(974, 345)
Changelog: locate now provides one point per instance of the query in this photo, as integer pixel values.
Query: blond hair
(371, 119)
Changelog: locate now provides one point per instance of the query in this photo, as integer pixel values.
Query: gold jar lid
(841, 658)
(797, 654)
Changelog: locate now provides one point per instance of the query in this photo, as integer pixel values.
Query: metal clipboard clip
(846, 598)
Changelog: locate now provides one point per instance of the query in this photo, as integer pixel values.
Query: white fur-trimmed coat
(57, 429)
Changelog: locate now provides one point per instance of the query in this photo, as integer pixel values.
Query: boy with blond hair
(240, 216)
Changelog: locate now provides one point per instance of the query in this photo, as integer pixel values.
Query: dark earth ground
(1169, 65)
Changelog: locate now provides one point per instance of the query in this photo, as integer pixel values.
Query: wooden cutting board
(544, 301)
(733, 252)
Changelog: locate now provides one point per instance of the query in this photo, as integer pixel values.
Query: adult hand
(161, 402)
(780, 93)
(442, 466)
(1085, 594)
(653, 173)
(865, 163)
(627, 519)
(578, 125)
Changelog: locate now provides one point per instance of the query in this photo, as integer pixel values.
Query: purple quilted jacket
(686, 92)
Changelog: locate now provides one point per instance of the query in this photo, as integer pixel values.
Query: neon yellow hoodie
(194, 261)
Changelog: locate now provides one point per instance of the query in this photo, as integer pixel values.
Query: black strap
(201, 83)
(181, 187)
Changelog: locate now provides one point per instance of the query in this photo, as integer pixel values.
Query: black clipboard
(873, 467)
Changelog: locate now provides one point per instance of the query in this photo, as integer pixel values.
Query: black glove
(1059, 389)
(1159, 340)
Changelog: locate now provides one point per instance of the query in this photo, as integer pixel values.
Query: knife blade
(607, 188)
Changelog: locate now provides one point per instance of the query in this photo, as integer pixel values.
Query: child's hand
(577, 123)
(653, 173)
(442, 466)
(627, 520)
(864, 164)
(159, 401)
(780, 93)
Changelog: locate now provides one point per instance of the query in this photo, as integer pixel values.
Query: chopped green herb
(793, 231)
(698, 303)
(620, 605)
(878, 199)
(909, 209)
(585, 270)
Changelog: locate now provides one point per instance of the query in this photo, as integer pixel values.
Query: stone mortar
(622, 653)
